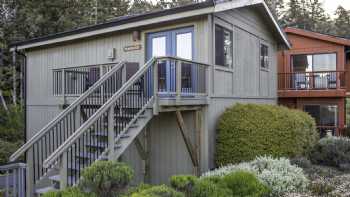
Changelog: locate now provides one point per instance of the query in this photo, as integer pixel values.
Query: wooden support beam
(144, 154)
(198, 128)
(189, 145)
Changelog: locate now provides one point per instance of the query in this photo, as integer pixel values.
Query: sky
(331, 5)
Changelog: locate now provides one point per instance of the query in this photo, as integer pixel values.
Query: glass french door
(177, 43)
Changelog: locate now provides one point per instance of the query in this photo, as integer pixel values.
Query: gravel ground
(326, 182)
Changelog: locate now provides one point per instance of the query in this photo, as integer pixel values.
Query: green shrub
(249, 130)
(183, 183)
(106, 178)
(243, 183)
(158, 191)
(332, 151)
(137, 189)
(207, 188)
(68, 192)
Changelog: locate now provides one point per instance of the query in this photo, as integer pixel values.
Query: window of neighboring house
(223, 46)
(314, 62)
(326, 117)
(264, 56)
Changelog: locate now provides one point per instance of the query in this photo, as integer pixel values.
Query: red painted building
(313, 77)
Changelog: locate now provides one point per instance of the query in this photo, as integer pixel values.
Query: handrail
(10, 166)
(68, 110)
(311, 72)
(80, 131)
(182, 60)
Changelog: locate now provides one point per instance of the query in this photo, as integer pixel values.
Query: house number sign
(132, 47)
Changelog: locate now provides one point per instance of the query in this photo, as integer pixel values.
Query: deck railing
(76, 80)
(320, 80)
(12, 180)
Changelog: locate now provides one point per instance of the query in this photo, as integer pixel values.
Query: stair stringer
(122, 143)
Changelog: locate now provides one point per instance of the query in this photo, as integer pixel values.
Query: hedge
(246, 131)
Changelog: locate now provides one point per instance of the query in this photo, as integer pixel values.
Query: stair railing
(135, 95)
(111, 120)
(56, 132)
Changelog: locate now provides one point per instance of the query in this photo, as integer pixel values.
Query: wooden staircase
(101, 124)
(52, 180)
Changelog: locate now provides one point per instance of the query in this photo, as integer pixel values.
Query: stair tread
(55, 177)
(97, 144)
(88, 155)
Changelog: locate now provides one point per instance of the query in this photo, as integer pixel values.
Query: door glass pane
(184, 45)
(184, 50)
(159, 46)
(159, 49)
(325, 115)
(325, 62)
(302, 63)
(314, 111)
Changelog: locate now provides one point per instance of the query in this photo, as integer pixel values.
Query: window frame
(268, 62)
(291, 60)
(229, 29)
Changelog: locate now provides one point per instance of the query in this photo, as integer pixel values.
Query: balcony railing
(320, 80)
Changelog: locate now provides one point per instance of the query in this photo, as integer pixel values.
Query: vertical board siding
(43, 106)
(169, 155)
(247, 82)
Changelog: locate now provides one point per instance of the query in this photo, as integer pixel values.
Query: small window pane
(264, 56)
(223, 47)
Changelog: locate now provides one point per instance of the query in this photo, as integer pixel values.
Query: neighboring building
(157, 114)
(313, 76)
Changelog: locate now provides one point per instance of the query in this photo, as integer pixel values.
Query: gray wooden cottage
(144, 89)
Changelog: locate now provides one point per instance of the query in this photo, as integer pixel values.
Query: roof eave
(318, 36)
(204, 8)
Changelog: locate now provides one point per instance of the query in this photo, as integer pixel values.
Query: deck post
(178, 66)
(63, 171)
(189, 145)
(29, 174)
(111, 134)
(155, 88)
(63, 86)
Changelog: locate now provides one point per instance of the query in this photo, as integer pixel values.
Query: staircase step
(124, 136)
(89, 155)
(45, 190)
(57, 178)
(97, 144)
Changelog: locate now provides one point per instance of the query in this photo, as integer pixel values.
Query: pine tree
(318, 19)
(342, 22)
(276, 7)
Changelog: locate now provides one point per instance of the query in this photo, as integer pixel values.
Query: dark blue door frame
(170, 50)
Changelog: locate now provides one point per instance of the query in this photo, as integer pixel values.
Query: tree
(342, 22)
(318, 19)
(306, 14)
(276, 7)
